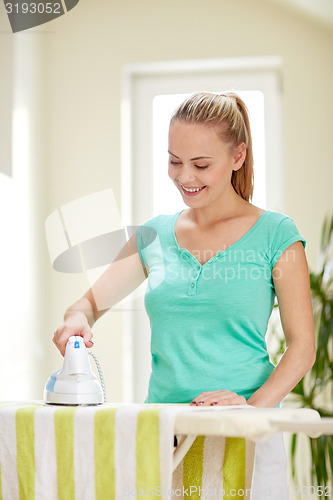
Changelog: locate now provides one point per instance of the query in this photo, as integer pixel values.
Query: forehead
(198, 136)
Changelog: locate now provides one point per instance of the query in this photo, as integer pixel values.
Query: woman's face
(200, 163)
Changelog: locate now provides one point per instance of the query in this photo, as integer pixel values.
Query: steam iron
(75, 384)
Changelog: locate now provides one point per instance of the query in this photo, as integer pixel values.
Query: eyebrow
(192, 159)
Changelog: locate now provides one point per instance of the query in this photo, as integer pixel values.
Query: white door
(151, 93)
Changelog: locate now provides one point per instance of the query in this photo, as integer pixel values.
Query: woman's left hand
(218, 398)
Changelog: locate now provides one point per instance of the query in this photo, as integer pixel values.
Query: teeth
(193, 190)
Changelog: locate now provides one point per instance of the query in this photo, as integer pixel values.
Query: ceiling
(322, 10)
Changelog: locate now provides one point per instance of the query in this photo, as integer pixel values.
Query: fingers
(61, 336)
(218, 398)
(70, 328)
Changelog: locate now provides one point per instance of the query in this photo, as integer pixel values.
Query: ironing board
(254, 424)
(251, 423)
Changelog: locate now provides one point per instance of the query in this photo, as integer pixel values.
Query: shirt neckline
(220, 253)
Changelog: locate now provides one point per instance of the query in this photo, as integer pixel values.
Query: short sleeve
(140, 243)
(145, 236)
(286, 234)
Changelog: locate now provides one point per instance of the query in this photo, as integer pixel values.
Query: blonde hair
(229, 114)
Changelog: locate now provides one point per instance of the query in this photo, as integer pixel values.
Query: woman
(214, 271)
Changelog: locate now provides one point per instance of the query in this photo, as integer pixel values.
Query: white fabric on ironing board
(270, 481)
(245, 421)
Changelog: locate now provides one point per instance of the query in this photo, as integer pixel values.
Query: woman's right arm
(123, 276)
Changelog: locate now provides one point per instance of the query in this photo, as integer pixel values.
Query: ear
(239, 156)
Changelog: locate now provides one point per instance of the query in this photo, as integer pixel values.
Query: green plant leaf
(293, 454)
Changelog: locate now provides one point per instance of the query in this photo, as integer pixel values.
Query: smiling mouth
(191, 191)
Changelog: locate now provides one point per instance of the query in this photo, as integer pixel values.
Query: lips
(191, 191)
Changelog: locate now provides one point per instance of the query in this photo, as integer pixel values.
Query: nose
(187, 175)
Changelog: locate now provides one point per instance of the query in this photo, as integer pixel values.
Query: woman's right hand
(75, 324)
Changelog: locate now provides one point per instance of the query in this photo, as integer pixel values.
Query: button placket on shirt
(205, 271)
(200, 270)
(192, 286)
(192, 262)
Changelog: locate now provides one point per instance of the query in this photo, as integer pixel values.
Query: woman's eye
(201, 167)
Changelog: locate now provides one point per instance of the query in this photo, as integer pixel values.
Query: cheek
(221, 176)
(171, 172)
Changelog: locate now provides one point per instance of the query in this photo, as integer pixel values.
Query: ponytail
(242, 179)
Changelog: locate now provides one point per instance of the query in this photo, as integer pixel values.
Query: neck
(224, 208)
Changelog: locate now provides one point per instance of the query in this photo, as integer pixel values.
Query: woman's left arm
(292, 286)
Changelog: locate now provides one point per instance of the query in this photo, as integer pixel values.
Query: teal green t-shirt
(208, 322)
